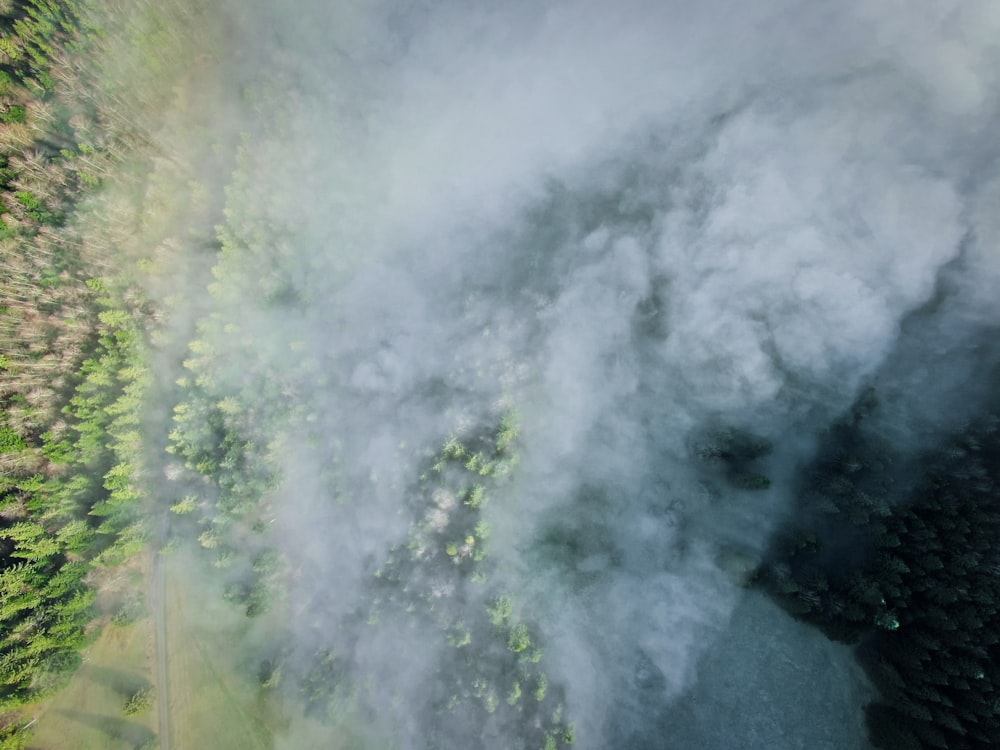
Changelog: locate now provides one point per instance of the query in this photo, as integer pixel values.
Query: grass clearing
(214, 703)
(89, 713)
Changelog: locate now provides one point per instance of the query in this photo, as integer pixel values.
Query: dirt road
(157, 597)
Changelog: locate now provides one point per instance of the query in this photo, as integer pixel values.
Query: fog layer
(643, 227)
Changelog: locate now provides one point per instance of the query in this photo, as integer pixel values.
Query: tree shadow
(121, 682)
(130, 732)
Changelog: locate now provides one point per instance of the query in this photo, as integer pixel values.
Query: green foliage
(36, 209)
(500, 611)
(138, 702)
(185, 505)
(541, 687)
(508, 432)
(514, 695)
(490, 669)
(453, 450)
(229, 427)
(14, 736)
(518, 639)
(14, 113)
(460, 636)
(38, 30)
(269, 673)
(10, 441)
(255, 595)
(475, 496)
(131, 610)
(62, 526)
(60, 518)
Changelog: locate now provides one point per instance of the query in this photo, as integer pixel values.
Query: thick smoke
(641, 225)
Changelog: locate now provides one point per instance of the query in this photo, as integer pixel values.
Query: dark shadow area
(123, 683)
(133, 733)
(908, 569)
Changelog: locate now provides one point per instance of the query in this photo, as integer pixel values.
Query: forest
(912, 581)
(419, 377)
(74, 369)
(73, 374)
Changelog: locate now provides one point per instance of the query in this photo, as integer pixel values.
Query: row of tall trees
(72, 355)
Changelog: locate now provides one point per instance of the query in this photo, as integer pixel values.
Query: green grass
(215, 700)
(212, 702)
(89, 713)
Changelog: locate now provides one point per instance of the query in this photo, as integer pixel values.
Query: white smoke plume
(636, 223)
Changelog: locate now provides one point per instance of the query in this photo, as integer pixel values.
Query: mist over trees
(493, 369)
(74, 369)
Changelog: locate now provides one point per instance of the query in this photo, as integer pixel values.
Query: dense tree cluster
(72, 372)
(911, 572)
(439, 583)
(34, 34)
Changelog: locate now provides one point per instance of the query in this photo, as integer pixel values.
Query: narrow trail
(157, 603)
